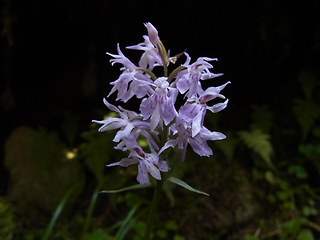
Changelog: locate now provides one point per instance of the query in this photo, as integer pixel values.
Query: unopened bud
(152, 33)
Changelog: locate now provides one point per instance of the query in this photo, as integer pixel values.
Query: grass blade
(58, 211)
(126, 224)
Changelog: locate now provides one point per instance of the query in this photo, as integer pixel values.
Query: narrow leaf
(185, 185)
(126, 224)
(58, 211)
(91, 208)
(136, 186)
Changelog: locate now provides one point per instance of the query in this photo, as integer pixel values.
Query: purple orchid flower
(158, 98)
(147, 162)
(195, 110)
(160, 105)
(131, 81)
(150, 58)
(189, 79)
(183, 132)
(129, 120)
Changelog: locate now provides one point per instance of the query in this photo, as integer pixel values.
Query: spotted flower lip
(158, 124)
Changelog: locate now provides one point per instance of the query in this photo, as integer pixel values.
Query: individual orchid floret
(137, 132)
(195, 110)
(147, 162)
(183, 136)
(128, 121)
(155, 40)
(131, 83)
(150, 58)
(120, 58)
(189, 79)
(121, 85)
(160, 105)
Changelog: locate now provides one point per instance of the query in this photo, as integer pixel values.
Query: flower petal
(146, 108)
(155, 118)
(110, 106)
(163, 166)
(125, 162)
(200, 146)
(142, 176)
(170, 143)
(197, 122)
(123, 133)
(218, 107)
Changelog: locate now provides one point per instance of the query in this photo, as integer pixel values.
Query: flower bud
(152, 33)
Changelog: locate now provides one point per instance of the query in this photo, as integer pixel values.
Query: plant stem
(153, 209)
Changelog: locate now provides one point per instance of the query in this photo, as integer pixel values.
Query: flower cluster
(159, 121)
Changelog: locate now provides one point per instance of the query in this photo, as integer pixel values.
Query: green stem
(164, 58)
(174, 73)
(153, 209)
(150, 73)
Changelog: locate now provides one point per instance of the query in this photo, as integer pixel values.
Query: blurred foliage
(259, 142)
(7, 221)
(41, 171)
(307, 109)
(97, 151)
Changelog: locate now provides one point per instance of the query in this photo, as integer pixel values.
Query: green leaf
(298, 171)
(270, 177)
(185, 185)
(309, 82)
(126, 224)
(250, 237)
(178, 237)
(307, 112)
(292, 226)
(162, 234)
(7, 220)
(171, 225)
(259, 142)
(90, 209)
(133, 187)
(305, 234)
(98, 234)
(58, 211)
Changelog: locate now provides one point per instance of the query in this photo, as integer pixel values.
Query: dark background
(54, 66)
(54, 62)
